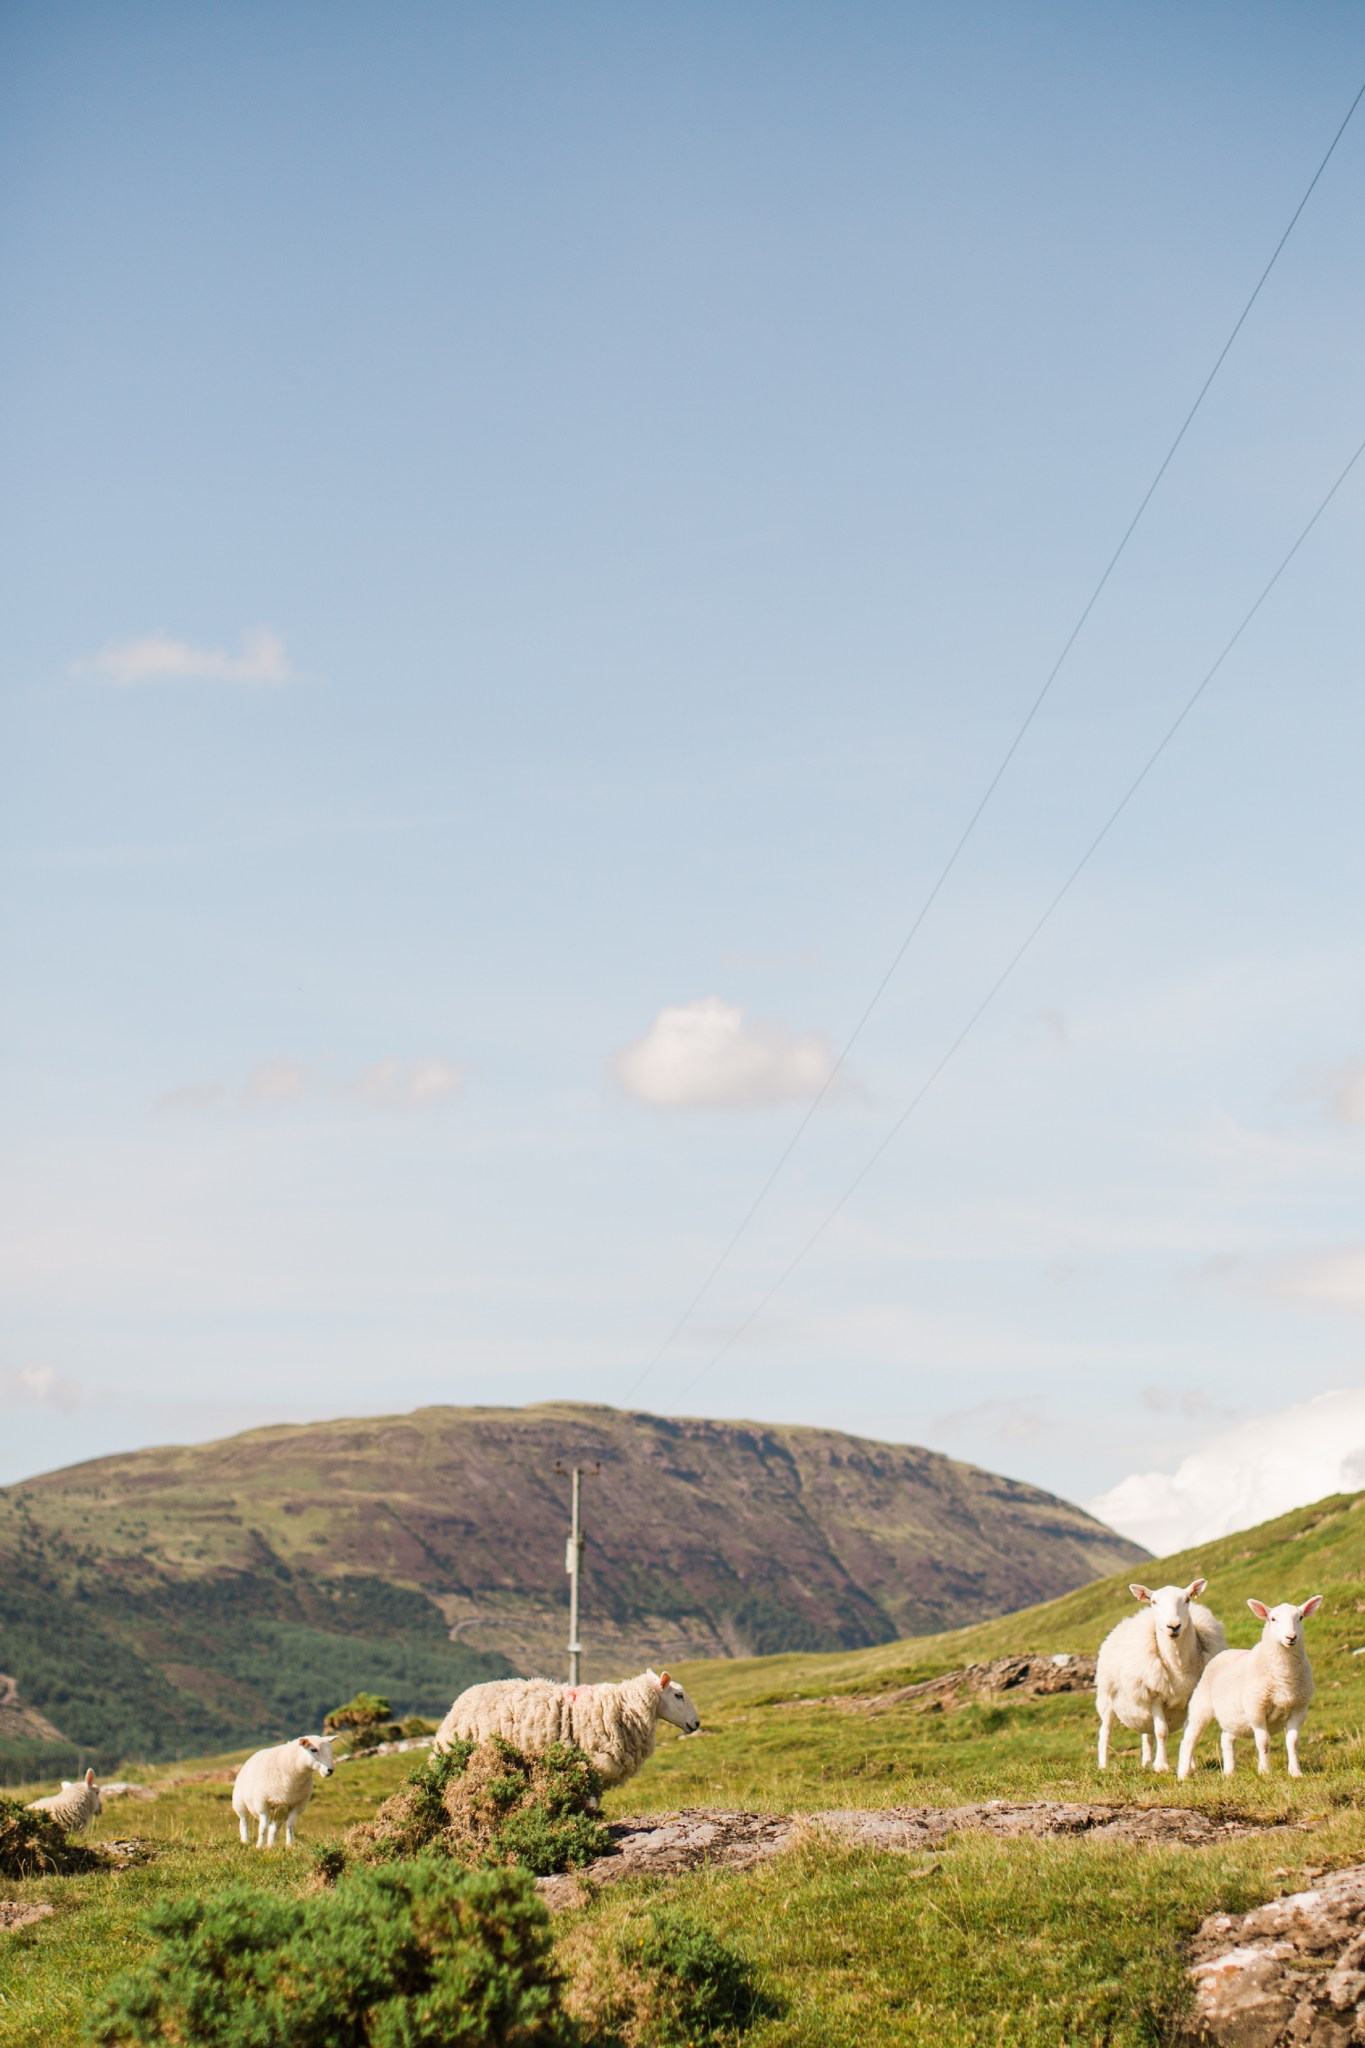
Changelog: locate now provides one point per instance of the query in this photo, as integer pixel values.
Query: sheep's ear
(1195, 1588)
(1139, 1592)
(90, 1776)
(306, 1742)
(1259, 1609)
(663, 1680)
(1310, 1607)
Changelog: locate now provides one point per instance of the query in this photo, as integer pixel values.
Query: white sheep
(1256, 1691)
(1150, 1663)
(75, 1806)
(275, 1785)
(614, 1724)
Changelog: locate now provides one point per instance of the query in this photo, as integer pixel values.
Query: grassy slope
(981, 1942)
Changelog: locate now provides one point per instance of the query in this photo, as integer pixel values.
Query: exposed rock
(20, 1912)
(1024, 1677)
(1291, 1971)
(21, 1722)
(124, 1788)
(662, 1845)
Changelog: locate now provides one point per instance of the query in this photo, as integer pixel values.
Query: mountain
(176, 1599)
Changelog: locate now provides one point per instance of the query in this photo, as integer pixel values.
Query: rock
(1023, 1677)
(19, 1913)
(1291, 1971)
(664, 1844)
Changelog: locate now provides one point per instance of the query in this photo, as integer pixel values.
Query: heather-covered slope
(181, 1598)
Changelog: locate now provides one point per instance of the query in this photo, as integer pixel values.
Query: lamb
(614, 1724)
(1256, 1691)
(276, 1784)
(1149, 1665)
(75, 1806)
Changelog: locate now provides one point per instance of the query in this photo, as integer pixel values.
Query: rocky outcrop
(1290, 1972)
(1020, 1677)
(663, 1845)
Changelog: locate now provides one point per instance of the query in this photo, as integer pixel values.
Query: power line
(1019, 953)
(992, 785)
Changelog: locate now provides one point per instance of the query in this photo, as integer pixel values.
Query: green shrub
(427, 1956)
(33, 1845)
(491, 1804)
(665, 1981)
(367, 1720)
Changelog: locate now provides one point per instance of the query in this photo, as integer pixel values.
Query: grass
(983, 1941)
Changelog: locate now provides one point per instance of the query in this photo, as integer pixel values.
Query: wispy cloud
(708, 1055)
(411, 1084)
(1345, 1091)
(390, 1084)
(36, 1386)
(276, 1083)
(1006, 1422)
(158, 657)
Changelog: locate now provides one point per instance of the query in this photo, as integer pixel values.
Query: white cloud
(1245, 1475)
(706, 1055)
(156, 657)
(35, 1386)
(396, 1084)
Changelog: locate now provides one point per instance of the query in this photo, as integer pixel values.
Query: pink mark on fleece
(571, 1692)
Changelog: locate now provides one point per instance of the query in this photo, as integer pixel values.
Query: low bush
(367, 1720)
(33, 1845)
(664, 1981)
(491, 1804)
(426, 1956)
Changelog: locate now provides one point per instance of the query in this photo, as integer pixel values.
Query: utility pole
(573, 1563)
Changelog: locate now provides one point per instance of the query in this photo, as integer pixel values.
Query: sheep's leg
(260, 1830)
(1194, 1728)
(1146, 1751)
(289, 1827)
(1262, 1750)
(1229, 1753)
(1291, 1742)
(271, 1832)
(242, 1831)
(1106, 1728)
(1162, 1727)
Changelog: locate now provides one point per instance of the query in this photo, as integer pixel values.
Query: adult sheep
(276, 1784)
(1150, 1663)
(615, 1725)
(75, 1806)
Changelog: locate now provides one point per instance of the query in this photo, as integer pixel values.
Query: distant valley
(184, 1599)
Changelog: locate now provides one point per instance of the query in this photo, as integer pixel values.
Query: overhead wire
(996, 986)
(945, 872)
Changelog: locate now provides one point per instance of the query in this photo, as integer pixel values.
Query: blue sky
(525, 535)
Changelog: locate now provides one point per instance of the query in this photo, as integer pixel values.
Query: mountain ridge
(202, 1594)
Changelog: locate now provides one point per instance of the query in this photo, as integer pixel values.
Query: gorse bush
(34, 1845)
(491, 1804)
(665, 1981)
(423, 1956)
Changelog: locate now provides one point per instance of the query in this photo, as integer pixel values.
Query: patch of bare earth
(664, 1845)
(1291, 1971)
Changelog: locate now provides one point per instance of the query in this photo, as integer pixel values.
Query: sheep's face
(1170, 1606)
(318, 1752)
(675, 1706)
(1284, 1624)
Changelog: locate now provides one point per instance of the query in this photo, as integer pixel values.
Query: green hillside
(982, 1941)
(177, 1599)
